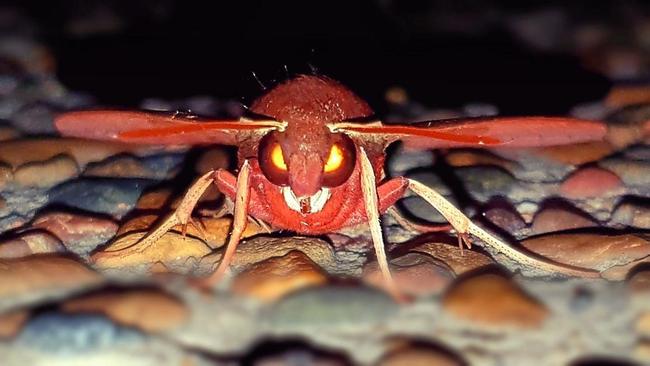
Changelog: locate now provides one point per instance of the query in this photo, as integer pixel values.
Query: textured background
(65, 300)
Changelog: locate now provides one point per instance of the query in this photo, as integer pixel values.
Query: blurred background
(66, 299)
(524, 57)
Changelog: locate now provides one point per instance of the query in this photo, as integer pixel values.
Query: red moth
(309, 165)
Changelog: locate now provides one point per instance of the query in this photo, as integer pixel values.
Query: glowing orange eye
(335, 160)
(277, 159)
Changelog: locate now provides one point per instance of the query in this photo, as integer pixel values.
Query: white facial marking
(317, 200)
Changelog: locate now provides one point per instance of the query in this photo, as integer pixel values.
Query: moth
(311, 161)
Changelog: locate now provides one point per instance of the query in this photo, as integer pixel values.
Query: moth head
(307, 167)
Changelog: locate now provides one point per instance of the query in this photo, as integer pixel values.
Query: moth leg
(369, 189)
(261, 224)
(239, 222)
(182, 215)
(415, 227)
(463, 239)
(220, 212)
(198, 226)
(226, 209)
(464, 226)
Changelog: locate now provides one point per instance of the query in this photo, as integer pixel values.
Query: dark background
(444, 53)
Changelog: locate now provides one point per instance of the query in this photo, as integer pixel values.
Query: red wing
(157, 128)
(481, 132)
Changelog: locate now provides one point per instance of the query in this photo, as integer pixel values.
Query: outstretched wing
(159, 128)
(479, 132)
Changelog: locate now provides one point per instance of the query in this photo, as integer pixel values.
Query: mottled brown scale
(307, 103)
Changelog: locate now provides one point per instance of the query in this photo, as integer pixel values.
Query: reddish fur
(307, 103)
(345, 208)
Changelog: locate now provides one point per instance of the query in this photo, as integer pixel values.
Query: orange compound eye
(277, 158)
(271, 160)
(335, 159)
(340, 162)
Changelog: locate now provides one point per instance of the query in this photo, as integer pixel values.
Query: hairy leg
(369, 188)
(181, 216)
(464, 226)
(415, 227)
(240, 220)
(463, 240)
